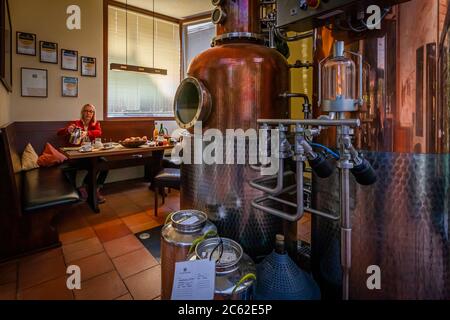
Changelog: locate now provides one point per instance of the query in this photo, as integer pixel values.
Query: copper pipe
(242, 16)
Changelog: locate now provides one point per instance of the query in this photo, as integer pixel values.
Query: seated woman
(90, 130)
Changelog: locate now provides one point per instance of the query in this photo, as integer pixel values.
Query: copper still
(400, 224)
(230, 86)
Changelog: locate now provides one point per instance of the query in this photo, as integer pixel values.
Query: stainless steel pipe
(313, 122)
(256, 203)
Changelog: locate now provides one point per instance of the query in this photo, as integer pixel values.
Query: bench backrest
(10, 169)
(39, 133)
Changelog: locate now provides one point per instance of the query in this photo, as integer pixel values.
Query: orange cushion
(51, 157)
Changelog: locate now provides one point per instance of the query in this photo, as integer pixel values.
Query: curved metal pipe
(313, 122)
(287, 95)
(294, 38)
(280, 181)
(300, 198)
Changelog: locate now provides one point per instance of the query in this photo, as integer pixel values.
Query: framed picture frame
(69, 86)
(69, 60)
(6, 45)
(25, 43)
(34, 82)
(88, 66)
(48, 52)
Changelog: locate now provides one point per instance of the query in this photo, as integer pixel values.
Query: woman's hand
(83, 134)
(71, 128)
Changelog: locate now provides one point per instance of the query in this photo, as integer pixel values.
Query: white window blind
(133, 94)
(197, 38)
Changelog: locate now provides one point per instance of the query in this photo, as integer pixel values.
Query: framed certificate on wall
(69, 60)
(34, 83)
(70, 87)
(6, 50)
(88, 67)
(26, 43)
(48, 52)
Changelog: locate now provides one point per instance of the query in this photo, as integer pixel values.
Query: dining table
(114, 157)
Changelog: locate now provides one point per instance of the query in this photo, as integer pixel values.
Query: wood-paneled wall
(39, 133)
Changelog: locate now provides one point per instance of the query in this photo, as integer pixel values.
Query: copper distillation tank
(230, 86)
(401, 223)
(392, 214)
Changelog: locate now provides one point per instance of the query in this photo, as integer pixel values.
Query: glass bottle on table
(161, 136)
(155, 134)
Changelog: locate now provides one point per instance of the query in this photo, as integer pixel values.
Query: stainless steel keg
(177, 237)
(235, 271)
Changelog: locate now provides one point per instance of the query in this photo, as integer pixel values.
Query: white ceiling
(179, 9)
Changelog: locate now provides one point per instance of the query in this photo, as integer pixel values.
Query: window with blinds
(130, 41)
(197, 38)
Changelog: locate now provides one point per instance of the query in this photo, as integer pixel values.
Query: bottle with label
(155, 134)
(161, 137)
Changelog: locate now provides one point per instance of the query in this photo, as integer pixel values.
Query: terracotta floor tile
(127, 208)
(137, 218)
(94, 266)
(116, 199)
(82, 249)
(72, 219)
(140, 194)
(145, 205)
(8, 291)
(51, 290)
(34, 273)
(144, 194)
(163, 210)
(144, 227)
(305, 237)
(113, 232)
(107, 286)
(134, 262)
(8, 272)
(140, 222)
(106, 214)
(122, 246)
(145, 285)
(48, 254)
(138, 188)
(107, 224)
(173, 203)
(161, 218)
(306, 218)
(77, 235)
(125, 297)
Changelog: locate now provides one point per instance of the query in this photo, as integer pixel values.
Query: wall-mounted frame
(25, 43)
(69, 60)
(6, 51)
(48, 52)
(88, 67)
(34, 82)
(69, 87)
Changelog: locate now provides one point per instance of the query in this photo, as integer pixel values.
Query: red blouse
(94, 129)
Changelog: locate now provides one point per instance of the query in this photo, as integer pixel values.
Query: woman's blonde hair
(94, 118)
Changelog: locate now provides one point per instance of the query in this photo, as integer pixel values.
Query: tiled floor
(113, 263)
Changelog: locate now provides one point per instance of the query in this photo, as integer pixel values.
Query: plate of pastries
(134, 142)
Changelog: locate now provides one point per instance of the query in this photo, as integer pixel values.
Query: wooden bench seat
(46, 187)
(29, 202)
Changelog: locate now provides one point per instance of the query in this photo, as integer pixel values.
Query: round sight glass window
(192, 103)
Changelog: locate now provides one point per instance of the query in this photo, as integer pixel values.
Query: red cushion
(51, 157)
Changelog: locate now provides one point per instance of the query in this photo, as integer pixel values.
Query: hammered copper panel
(400, 224)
